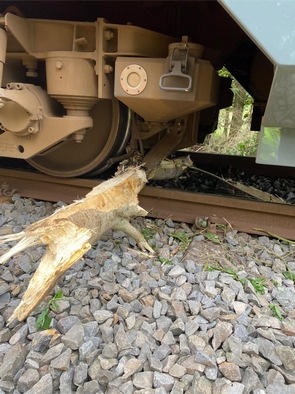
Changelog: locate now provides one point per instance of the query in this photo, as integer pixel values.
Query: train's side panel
(271, 26)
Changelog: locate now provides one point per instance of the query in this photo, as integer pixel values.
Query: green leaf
(164, 261)
(212, 237)
(57, 297)
(183, 238)
(43, 321)
(289, 275)
(276, 311)
(258, 285)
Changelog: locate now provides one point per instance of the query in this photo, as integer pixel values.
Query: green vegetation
(183, 238)
(276, 311)
(233, 135)
(289, 275)
(148, 232)
(44, 320)
(257, 283)
(211, 237)
(164, 261)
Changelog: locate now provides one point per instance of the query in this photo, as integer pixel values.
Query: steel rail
(243, 215)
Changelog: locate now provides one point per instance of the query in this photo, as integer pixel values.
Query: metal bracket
(166, 145)
(178, 65)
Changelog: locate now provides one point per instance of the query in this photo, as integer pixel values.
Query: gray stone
(211, 373)
(7, 386)
(176, 271)
(122, 340)
(205, 359)
(287, 356)
(267, 349)
(194, 306)
(201, 385)
(241, 332)
(250, 381)
(220, 332)
(27, 380)
(44, 386)
(102, 315)
(41, 340)
(163, 380)
(232, 388)
(178, 388)
(107, 363)
(259, 364)
(169, 361)
(272, 376)
(230, 371)
(91, 387)
(288, 375)
(4, 288)
(80, 374)
(285, 297)
(211, 313)
(65, 323)
(65, 383)
(183, 345)
(250, 348)
(62, 362)
(132, 366)
(196, 343)
(143, 380)
(29, 363)
(51, 354)
(177, 371)
(74, 336)
(191, 327)
(157, 309)
(20, 335)
(5, 335)
(178, 327)
(228, 295)
(110, 350)
(281, 388)
(13, 361)
(155, 364)
(90, 329)
(88, 347)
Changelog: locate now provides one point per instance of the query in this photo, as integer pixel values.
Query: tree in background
(233, 135)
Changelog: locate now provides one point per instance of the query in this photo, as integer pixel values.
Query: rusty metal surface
(242, 215)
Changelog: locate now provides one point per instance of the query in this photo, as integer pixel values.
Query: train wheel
(107, 138)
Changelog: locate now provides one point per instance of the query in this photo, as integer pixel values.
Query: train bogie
(78, 96)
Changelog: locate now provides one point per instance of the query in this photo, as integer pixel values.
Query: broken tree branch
(71, 230)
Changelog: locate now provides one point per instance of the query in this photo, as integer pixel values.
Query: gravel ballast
(203, 315)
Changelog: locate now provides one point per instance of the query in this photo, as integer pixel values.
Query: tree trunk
(70, 232)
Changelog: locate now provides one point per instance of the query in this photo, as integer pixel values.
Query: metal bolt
(108, 35)
(31, 130)
(107, 69)
(58, 65)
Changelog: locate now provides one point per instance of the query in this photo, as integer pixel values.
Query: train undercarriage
(77, 97)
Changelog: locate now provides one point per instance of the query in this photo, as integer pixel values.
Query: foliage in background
(233, 135)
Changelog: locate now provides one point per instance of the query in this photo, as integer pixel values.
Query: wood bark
(69, 233)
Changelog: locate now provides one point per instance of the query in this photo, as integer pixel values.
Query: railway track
(253, 217)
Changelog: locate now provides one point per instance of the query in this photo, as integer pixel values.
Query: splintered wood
(70, 232)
